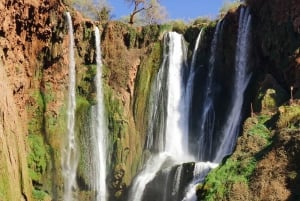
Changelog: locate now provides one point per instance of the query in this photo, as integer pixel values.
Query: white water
(208, 114)
(200, 171)
(241, 81)
(177, 112)
(101, 129)
(173, 140)
(70, 155)
(152, 166)
(175, 147)
(190, 83)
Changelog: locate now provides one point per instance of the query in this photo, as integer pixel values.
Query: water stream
(100, 130)
(70, 154)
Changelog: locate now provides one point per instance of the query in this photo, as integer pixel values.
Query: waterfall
(170, 108)
(70, 154)
(99, 130)
(190, 82)
(168, 92)
(200, 171)
(207, 120)
(241, 80)
(177, 113)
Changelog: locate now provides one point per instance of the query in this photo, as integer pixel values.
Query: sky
(176, 9)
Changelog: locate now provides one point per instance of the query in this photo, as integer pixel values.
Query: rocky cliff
(263, 165)
(34, 72)
(34, 84)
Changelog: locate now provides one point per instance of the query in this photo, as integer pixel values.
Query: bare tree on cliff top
(151, 10)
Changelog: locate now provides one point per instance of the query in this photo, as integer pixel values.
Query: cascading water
(99, 130)
(191, 77)
(241, 80)
(168, 128)
(201, 169)
(207, 119)
(231, 127)
(172, 127)
(70, 155)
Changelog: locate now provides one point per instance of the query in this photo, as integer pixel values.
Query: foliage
(220, 180)
(37, 158)
(260, 128)
(289, 117)
(238, 168)
(229, 6)
(179, 26)
(96, 10)
(145, 78)
(39, 195)
(201, 21)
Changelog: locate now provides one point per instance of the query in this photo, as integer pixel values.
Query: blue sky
(177, 9)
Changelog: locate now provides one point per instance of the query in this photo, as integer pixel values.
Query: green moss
(145, 77)
(239, 167)
(37, 158)
(131, 37)
(260, 128)
(85, 82)
(117, 126)
(39, 195)
(82, 131)
(5, 195)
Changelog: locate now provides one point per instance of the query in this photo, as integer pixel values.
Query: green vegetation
(145, 77)
(4, 183)
(260, 128)
(238, 168)
(115, 115)
(289, 117)
(201, 21)
(37, 158)
(83, 108)
(229, 6)
(221, 179)
(179, 26)
(39, 195)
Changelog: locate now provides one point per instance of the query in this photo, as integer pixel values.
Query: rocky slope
(263, 165)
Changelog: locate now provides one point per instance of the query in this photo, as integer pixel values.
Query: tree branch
(136, 10)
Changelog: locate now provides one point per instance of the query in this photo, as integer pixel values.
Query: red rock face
(29, 38)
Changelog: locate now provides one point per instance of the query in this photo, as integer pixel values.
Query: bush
(229, 6)
(179, 26)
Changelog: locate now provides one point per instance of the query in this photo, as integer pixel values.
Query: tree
(151, 10)
(97, 10)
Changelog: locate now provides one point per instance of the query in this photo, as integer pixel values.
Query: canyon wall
(34, 83)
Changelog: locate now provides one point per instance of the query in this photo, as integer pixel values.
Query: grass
(260, 128)
(220, 180)
(289, 117)
(238, 168)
